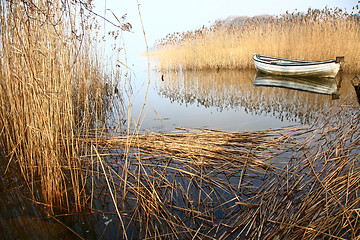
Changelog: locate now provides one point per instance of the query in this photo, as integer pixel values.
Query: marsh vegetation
(56, 97)
(54, 93)
(286, 183)
(314, 35)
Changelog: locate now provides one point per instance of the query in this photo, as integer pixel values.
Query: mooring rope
(247, 63)
(246, 67)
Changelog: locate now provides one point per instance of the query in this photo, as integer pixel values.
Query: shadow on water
(19, 217)
(299, 101)
(22, 218)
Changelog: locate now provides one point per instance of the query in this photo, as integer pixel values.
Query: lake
(226, 100)
(230, 100)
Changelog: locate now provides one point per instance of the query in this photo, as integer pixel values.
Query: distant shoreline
(229, 44)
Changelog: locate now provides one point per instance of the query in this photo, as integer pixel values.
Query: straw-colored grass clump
(315, 35)
(296, 183)
(52, 94)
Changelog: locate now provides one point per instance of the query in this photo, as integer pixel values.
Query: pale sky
(161, 17)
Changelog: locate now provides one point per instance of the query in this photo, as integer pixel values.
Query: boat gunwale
(290, 62)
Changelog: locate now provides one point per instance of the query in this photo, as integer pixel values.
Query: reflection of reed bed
(289, 183)
(235, 90)
(314, 35)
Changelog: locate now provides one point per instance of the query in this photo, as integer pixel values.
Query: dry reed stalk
(315, 35)
(224, 185)
(53, 94)
(184, 162)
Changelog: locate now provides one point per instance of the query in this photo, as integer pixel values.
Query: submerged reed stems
(297, 183)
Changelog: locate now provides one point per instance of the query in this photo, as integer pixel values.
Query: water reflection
(235, 90)
(326, 86)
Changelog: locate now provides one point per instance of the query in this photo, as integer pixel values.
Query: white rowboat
(288, 67)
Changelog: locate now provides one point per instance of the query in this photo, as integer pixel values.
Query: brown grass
(296, 183)
(53, 93)
(315, 35)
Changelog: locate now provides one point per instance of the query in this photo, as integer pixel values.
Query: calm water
(232, 100)
(224, 100)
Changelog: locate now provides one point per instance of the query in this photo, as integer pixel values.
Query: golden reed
(51, 87)
(314, 35)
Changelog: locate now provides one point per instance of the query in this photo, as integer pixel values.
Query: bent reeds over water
(290, 183)
(51, 88)
(296, 183)
(315, 35)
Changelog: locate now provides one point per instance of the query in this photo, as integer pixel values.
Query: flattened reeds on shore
(179, 179)
(201, 146)
(295, 183)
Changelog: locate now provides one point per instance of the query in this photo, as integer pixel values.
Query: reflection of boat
(315, 85)
(287, 67)
(234, 90)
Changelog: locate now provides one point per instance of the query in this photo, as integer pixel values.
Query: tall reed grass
(314, 35)
(289, 183)
(53, 90)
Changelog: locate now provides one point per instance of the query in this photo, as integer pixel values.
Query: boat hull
(286, 67)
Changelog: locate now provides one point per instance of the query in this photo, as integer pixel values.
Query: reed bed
(172, 182)
(314, 35)
(295, 183)
(53, 92)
